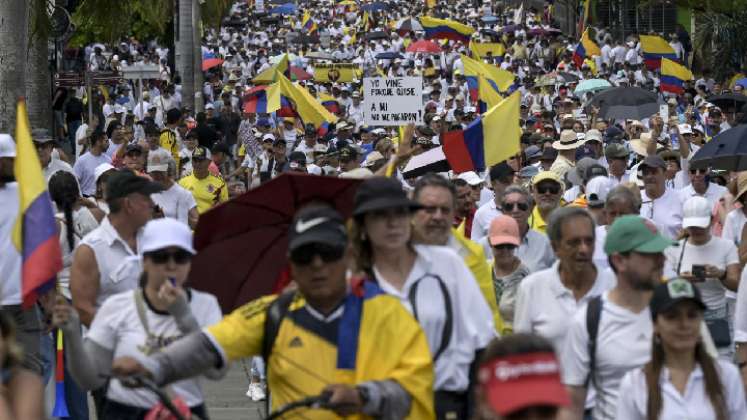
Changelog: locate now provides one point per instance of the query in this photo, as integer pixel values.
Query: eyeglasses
(162, 256)
(504, 247)
(434, 209)
(544, 189)
(305, 254)
(512, 206)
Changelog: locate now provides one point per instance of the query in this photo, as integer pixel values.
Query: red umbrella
(242, 244)
(424, 46)
(210, 63)
(298, 73)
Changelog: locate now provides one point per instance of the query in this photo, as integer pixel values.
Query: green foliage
(108, 21)
(213, 12)
(40, 25)
(720, 41)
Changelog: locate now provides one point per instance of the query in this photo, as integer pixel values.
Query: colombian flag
(490, 139)
(654, 49)
(271, 75)
(673, 75)
(446, 29)
(284, 96)
(487, 96)
(500, 79)
(35, 231)
(480, 50)
(329, 102)
(585, 48)
(308, 24)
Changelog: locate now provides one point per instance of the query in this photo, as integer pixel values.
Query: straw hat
(568, 141)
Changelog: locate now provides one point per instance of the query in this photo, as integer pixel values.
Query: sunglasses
(162, 257)
(305, 254)
(512, 206)
(696, 171)
(544, 189)
(504, 247)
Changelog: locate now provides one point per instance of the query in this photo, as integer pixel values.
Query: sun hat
(158, 160)
(518, 381)
(166, 232)
(594, 135)
(696, 212)
(381, 193)
(632, 233)
(503, 230)
(548, 176)
(653, 161)
(533, 152)
(568, 141)
(674, 291)
(741, 185)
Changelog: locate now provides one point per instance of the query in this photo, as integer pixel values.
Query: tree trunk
(38, 86)
(13, 36)
(185, 53)
(197, 48)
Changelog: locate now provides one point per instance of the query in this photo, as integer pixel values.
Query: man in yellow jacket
(432, 226)
(350, 341)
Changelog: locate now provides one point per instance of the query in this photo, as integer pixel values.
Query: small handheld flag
(60, 404)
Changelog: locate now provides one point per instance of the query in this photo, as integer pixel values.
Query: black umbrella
(389, 55)
(626, 102)
(728, 100)
(726, 151)
(568, 77)
(305, 39)
(377, 35)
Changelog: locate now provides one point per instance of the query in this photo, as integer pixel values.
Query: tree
(13, 36)
(185, 52)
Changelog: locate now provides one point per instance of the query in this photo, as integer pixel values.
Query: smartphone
(699, 272)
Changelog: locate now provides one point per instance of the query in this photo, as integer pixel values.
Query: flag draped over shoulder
(490, 139)
(585, 48)
(673, 75)
(35, 232)
(655, 48)
(446, 29)
(500, 79)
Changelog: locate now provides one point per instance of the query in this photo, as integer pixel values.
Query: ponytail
(64, 191)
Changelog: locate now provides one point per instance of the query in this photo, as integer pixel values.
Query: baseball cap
(578, 175)
(533, 152)
(101, 170)
(547, 176)
(674, 291)
(549, 154)
(372, 158)
(166, 232)
(7, 146)
(685, 129)
(615, 151)
(296, 157)
(158, 160)
(470, 178)
(634, 233)
(200, 152)
(597, 189)
(123, 183)
(696, 212)
(268, 137)
(133, 147)
(503, 230)
(500, 170)
(518, 381)
(528, 172)
(380, 193)
(313, 225)
(653, 161)
(221, 147)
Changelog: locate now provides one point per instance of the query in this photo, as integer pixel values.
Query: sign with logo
(69, 80)
(392, 101)
(337, 72)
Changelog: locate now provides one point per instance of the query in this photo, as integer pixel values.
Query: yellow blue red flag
(673, 75)
(35, 232)
(446, 29)
(655, 48)
(585, 48)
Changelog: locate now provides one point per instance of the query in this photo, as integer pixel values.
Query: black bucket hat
(380, 193)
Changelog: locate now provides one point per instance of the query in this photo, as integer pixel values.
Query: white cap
(268, 136)
(209, 106)
(7, 146)
(597, 189)
(164, 233)
(158, 160)
(696, 212)
(119, 109)
(593, 134)
(685, 129)
(471, 178)
(101, 169)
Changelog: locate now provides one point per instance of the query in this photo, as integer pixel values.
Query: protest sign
(392, 101)
(336, 72)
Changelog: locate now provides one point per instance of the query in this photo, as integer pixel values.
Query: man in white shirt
(44, 147)
(701, 186)
(501, 176)
(174, 201)
(621, 319)
(548, 298)
(85, 165)
(658, 203)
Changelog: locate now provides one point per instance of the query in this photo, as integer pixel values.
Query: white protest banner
(392, 101)
(259, 6)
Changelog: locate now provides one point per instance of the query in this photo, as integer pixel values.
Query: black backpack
(593, 315)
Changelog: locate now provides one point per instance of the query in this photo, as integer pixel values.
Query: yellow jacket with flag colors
(474, 258)
(374, 339)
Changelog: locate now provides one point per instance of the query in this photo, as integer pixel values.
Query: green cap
(634, 233)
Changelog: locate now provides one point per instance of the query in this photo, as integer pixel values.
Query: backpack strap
(593, 315)
(274, 314)
(449, 323)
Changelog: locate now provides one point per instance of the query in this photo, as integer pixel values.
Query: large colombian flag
(284, 95)
(490, 139)
(655, 48)
(673, 75)
(446, 29)
(585, 48)
(500, 79)
(35, 231)
(487, 97)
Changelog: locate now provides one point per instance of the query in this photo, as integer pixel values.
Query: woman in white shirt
(681, 381)
(140, 322)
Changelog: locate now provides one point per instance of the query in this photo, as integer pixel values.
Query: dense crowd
(595, 274)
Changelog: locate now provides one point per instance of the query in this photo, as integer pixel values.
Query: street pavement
(227, 400)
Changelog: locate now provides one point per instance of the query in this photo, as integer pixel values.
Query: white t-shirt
(56, 165)
(84, 170)
(740, 317)
(176, 202)
(733, 226)
(713, 193)
(693, 404)
(472, 320)
(623, 343)
(665, 212)
(117, 327)
(481, 222)
(10, 258)
(544, 305)
(718, 252)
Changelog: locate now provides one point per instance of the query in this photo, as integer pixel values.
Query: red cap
(519, 381)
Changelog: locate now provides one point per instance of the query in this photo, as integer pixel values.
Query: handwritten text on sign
(392, 101)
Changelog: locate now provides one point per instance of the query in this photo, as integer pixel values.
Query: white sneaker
(256, 392)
